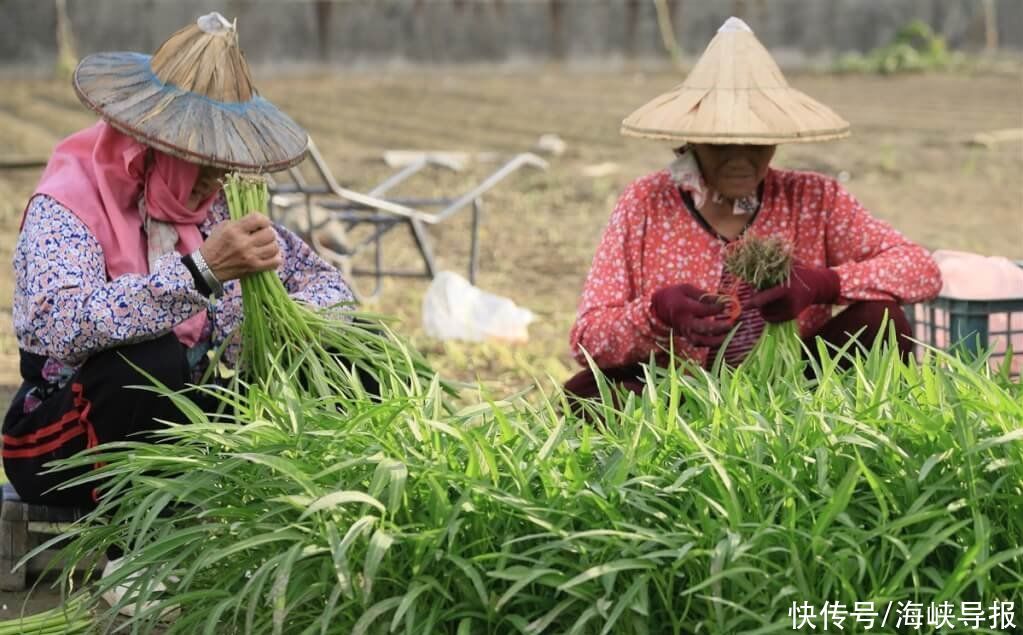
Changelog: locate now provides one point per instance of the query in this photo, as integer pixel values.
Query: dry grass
(906, 161)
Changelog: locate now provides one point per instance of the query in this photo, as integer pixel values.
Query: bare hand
(238, 248)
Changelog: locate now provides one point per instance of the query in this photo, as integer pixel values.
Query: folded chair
(323, 200)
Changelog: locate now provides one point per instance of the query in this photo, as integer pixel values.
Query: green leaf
(839, 500)
(337, 499)
(615, 566)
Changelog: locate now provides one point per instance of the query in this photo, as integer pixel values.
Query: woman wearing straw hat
(126, 240)
(660, 261)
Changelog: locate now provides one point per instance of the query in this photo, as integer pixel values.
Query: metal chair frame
(353, 209)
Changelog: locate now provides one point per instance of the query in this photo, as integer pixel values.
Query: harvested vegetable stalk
(765, 262)
(278, 332)
(71, 618)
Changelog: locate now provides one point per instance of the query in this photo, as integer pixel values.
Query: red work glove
(806, 286)
(685, 309)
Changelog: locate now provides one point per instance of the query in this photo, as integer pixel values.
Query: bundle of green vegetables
(713, 503)
(324, 348)
(70, 619)
(765, 262)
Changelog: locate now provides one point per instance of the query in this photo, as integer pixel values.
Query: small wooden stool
(23, 527)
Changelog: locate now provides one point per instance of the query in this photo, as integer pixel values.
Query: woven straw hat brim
(250, 136)
(759, 116)
(687, 128)
(735, 94)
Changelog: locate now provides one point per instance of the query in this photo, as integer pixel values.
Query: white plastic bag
(453, 309)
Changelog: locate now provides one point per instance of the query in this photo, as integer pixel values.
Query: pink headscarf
(100, 173)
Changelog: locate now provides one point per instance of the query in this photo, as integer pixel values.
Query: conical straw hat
(193, 99)
(735, 94)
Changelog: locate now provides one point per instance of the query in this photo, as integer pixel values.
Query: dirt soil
(908, 161)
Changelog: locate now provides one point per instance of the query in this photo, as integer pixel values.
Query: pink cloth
(968, 276)
(100, 173)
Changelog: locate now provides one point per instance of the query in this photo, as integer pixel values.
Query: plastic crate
(971, 325)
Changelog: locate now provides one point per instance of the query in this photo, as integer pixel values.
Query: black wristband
(200, 284)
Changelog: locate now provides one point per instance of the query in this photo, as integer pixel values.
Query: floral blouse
(653, 241)
(65, 308)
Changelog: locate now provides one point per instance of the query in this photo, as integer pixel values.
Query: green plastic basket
(948, 323)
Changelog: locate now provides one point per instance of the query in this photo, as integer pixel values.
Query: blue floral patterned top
(65, 308)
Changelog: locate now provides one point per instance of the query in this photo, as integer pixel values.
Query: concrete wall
(368, 32)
